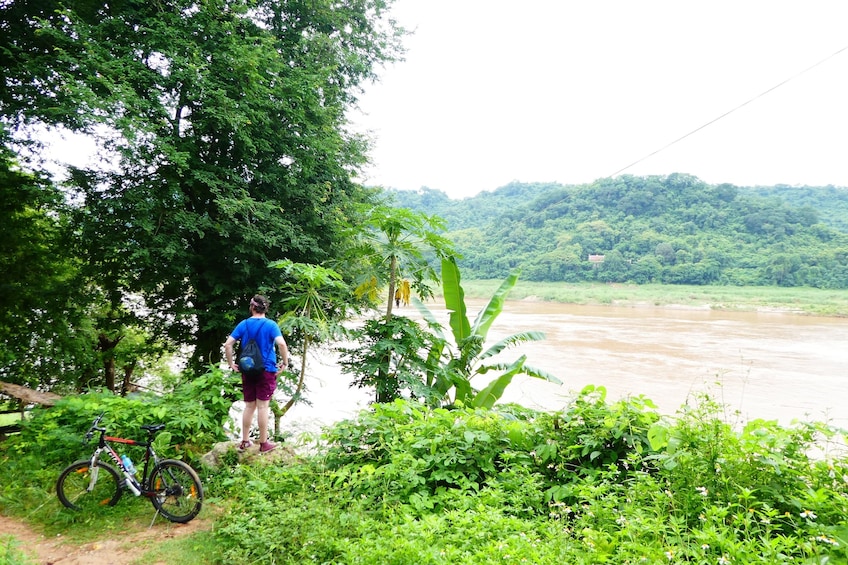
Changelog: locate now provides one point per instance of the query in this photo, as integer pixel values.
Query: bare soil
(131, 547)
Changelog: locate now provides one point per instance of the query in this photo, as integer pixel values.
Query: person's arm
(228, 352)
(283, 348)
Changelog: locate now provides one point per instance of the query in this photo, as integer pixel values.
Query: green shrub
(195, 414)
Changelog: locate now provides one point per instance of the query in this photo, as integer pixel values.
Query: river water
(768, 365)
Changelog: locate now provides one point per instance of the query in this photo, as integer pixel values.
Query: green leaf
(455, 300)
(658, 436)
(487, 315)
(487, 397)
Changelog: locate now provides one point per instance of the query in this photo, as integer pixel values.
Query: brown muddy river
(758, 364)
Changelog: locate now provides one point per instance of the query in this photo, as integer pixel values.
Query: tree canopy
(222, 139)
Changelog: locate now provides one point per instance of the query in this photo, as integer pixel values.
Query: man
(257, 391)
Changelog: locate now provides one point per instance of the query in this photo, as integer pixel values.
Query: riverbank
(800, 300)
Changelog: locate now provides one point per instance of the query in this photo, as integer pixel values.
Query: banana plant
(467, 358)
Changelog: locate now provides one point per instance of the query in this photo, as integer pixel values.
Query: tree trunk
(392, 287)
(300, 380)
(208, 350)
(107, 347)
(126, 386)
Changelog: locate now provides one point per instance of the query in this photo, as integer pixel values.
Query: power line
(714, 120)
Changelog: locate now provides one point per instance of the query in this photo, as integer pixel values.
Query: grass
(805, 300)
(196, 549)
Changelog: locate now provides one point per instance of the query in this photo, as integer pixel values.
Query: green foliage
(316, 302)
(395, 245)
(195, 413)
(672, 229)
(406, 483)
(11, 553)
(405, 344)
(222, 142)
(596, 482)
(468, 358)
(591, 438)
(44, 306)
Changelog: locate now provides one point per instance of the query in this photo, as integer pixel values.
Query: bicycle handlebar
(94, 428)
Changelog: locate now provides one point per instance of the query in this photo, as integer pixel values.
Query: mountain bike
(172, 486)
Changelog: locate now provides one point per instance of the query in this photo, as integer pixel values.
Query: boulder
(226, 454)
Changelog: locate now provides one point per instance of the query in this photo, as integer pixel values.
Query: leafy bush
(195, 414)
(591, 437)
(596, 483)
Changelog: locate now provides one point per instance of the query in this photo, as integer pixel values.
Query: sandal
(245, 445)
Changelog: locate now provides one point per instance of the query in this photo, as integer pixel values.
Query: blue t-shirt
(264, 331)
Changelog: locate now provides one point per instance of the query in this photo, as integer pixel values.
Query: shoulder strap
(259, 328)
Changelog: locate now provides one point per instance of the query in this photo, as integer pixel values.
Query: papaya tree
(395, 245)
(315, 302)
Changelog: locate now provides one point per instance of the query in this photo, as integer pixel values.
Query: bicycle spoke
(81, 486)
(179, 494)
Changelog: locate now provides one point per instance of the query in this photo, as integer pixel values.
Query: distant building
(596, 258)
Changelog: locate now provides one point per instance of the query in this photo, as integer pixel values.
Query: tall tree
(224, 123)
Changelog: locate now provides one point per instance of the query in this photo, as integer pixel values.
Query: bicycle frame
(132, 483)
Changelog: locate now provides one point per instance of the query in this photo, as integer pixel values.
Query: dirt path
(132, 546)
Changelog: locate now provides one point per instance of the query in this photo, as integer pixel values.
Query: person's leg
(263, 401)
(262, 409)
(247, 420)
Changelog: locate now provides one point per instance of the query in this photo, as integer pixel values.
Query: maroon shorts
(259, 389)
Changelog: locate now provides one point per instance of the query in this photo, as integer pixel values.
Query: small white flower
(808, 514)
(669, 555)
(705, 546)
(723, 560)
(703, 491)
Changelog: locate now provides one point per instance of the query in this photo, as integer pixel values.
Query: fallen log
(28, 395)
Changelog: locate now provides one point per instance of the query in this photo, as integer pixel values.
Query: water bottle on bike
(131, 481)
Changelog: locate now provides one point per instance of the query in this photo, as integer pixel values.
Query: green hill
(670, 229)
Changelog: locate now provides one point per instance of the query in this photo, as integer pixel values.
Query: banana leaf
(455, 300)
(487, 315)
(509, 341)
(432, 323)
(487, 397)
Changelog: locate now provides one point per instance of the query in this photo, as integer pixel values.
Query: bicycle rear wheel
(82, 486)
(177, 492)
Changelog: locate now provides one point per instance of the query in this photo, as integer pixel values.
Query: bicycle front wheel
(176, 490)
(82, 486)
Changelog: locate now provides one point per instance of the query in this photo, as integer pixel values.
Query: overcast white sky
(571, 91)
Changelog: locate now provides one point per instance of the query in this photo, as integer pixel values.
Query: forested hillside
(671, 229)
(830, 202)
